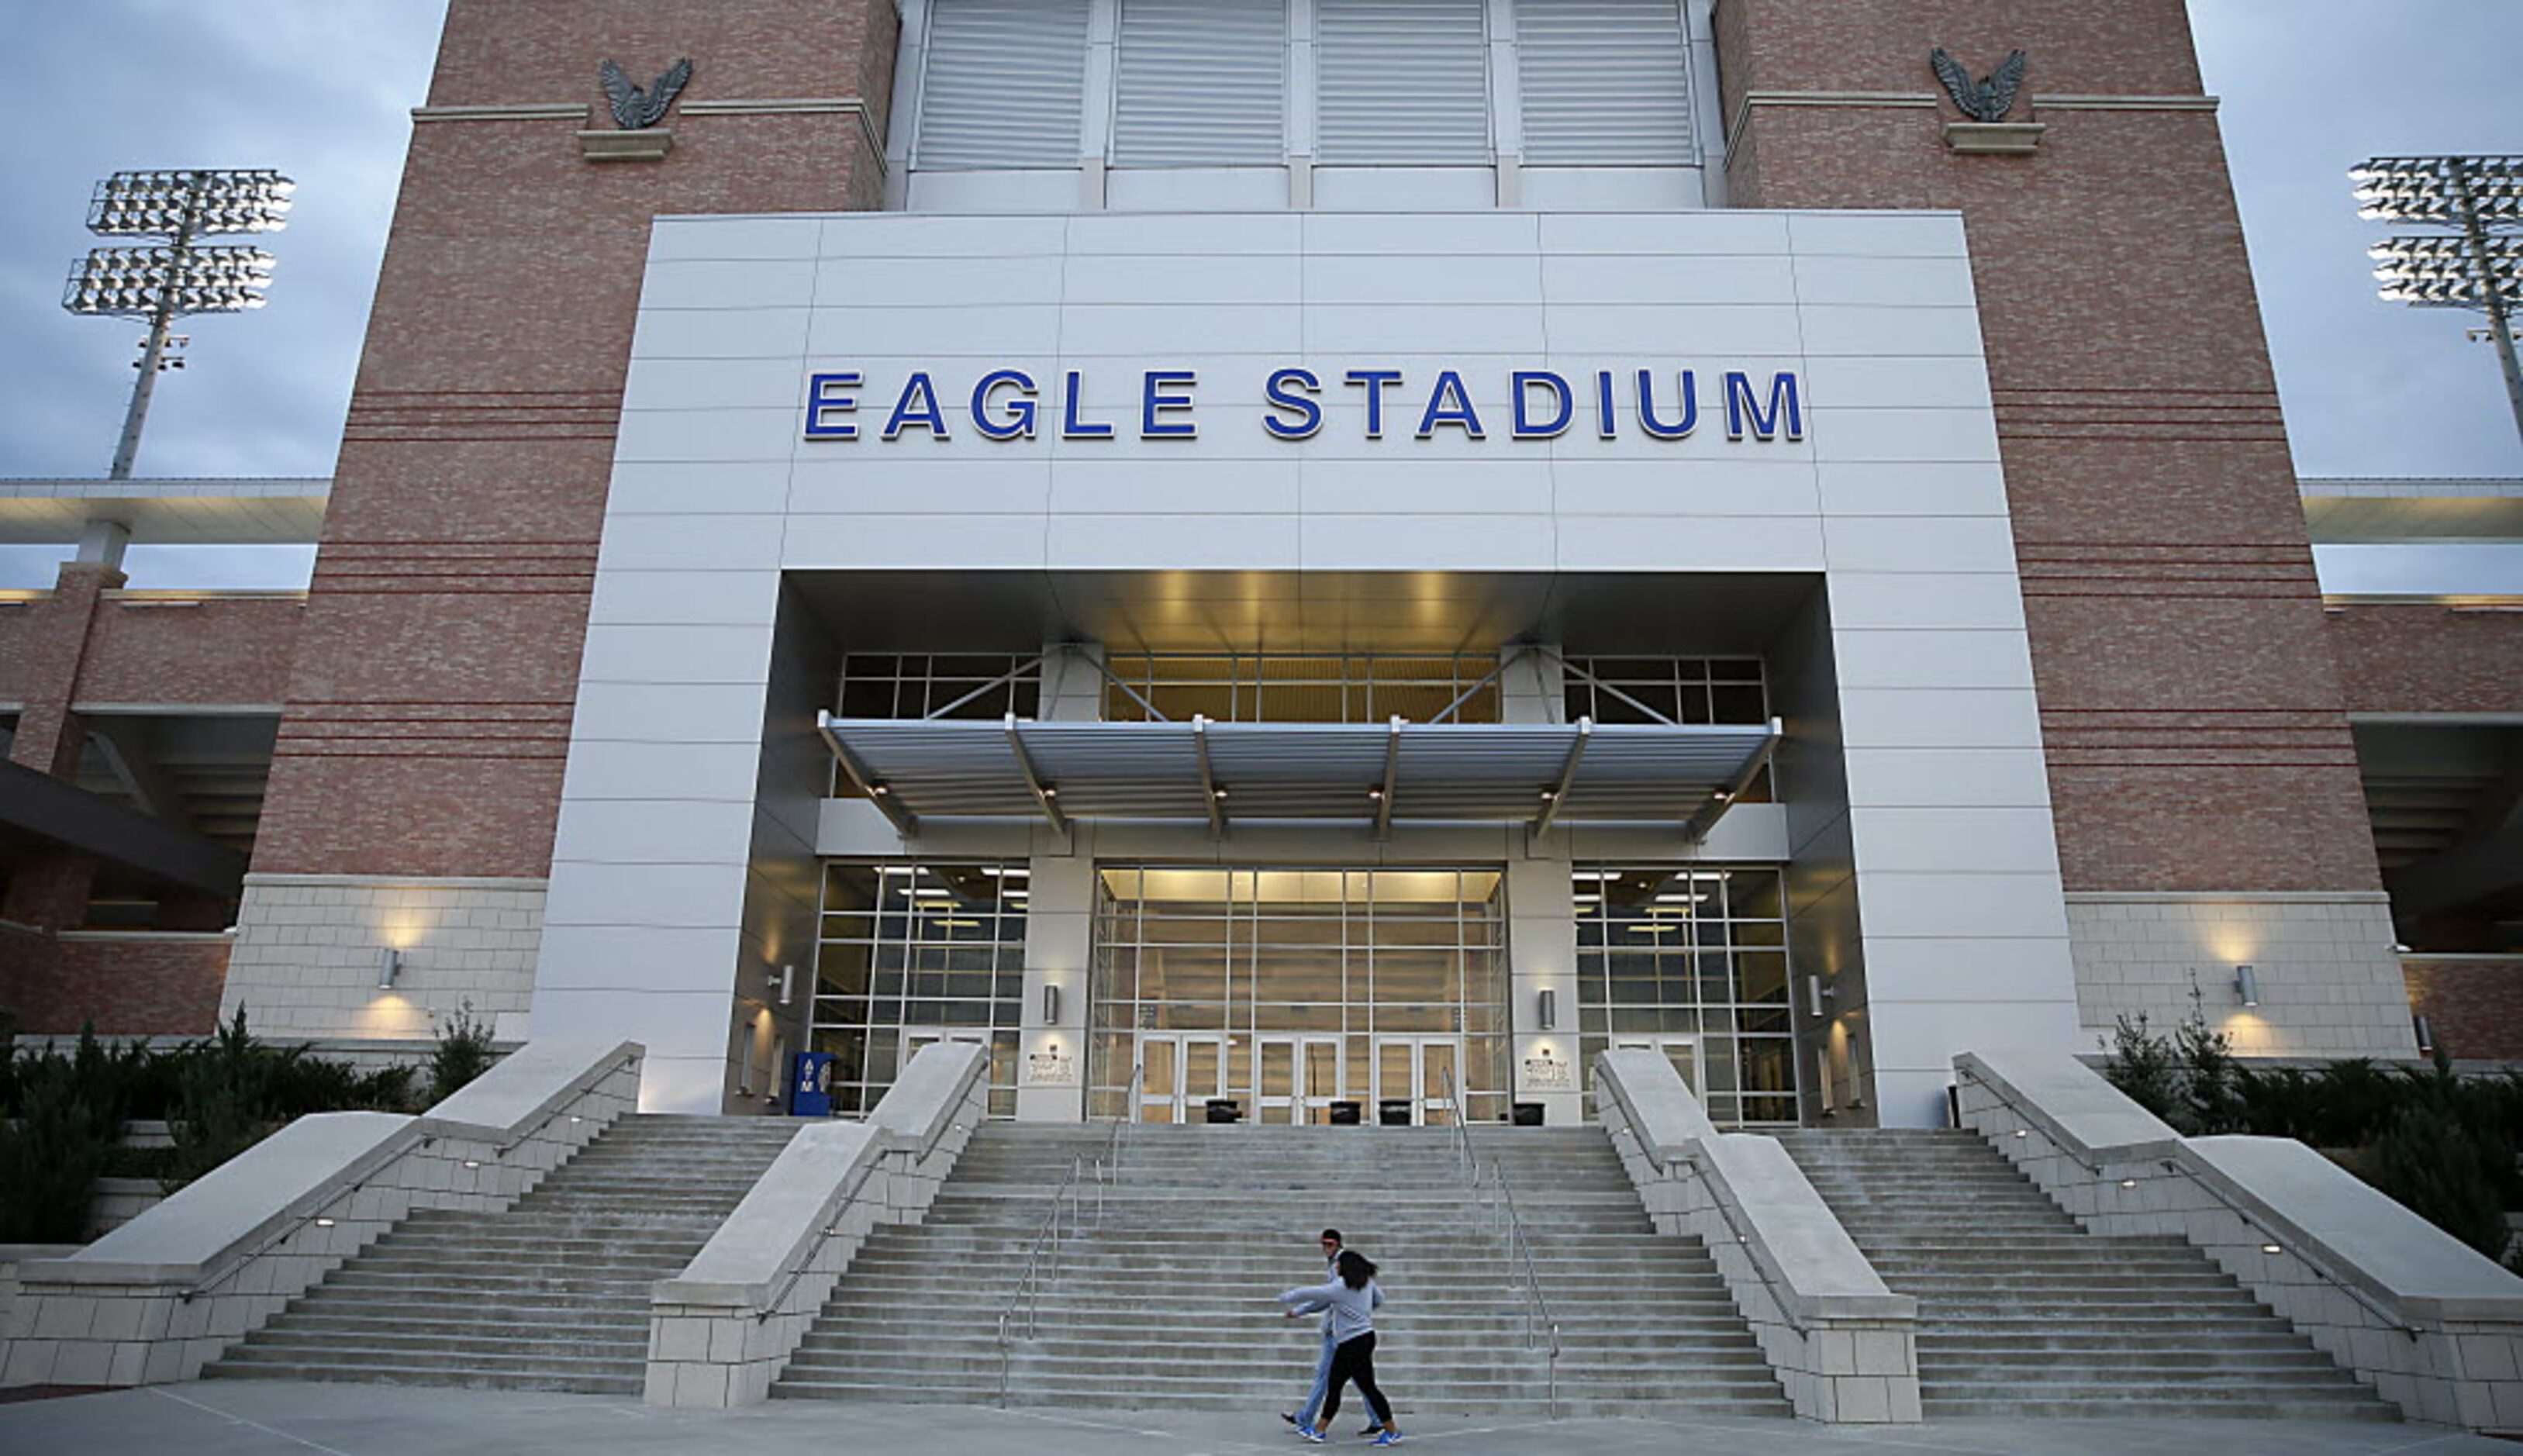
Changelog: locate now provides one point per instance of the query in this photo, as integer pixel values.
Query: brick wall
(2474, 1005)
(210, 651)
(2428, 659)
(2192, 717)
(128, 985)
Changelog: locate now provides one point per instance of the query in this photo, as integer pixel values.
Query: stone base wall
(305, 961)
(2330, 983)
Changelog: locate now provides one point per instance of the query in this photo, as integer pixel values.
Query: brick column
(2195, 729)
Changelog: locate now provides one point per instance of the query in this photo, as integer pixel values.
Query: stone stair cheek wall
(163, 1296)
(1845, 1344)
(720, 1329)
(2435, 1327)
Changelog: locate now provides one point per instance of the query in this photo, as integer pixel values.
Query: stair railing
(1114, 1146)
(1041, 1265)
(1537, 1322)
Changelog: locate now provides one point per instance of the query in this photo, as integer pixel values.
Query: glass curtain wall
(1288, 990)
(913, 954)
(1692, 963)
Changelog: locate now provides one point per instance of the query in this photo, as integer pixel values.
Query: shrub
(69, 1113)
(2140, 1063)
(2445, 1173)
(463, 1054)
(224, 1099)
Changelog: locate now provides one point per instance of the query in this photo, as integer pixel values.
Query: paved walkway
(234, 1418)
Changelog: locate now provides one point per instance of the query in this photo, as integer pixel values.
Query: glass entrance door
(1183, 1073)
(1299, 1078)
(1415, 1069)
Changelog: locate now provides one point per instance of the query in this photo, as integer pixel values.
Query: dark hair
(1355, 1268)
(1332, 1235)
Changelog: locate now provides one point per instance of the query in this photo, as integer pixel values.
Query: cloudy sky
(321, 89)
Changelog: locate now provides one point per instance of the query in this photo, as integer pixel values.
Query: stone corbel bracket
(2433, 1324)
(163, 1296)
(1844, 1346)
(721, 1331)
(1994, 138)
(649, 145)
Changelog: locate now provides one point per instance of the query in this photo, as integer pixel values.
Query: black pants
(1354, 1360)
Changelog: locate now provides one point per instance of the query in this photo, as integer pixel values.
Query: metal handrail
(1537, 1308)
(1031, 1279)
(1113, 1145)
(1462, 1129)
(806, 1261)
(2239, 1212)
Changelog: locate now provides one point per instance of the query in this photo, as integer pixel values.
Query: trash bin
(1393, 1111)
(1344, 1114)
(1224, 1109)
(1528, 1114)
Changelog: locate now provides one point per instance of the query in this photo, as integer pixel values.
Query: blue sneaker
(1309, 1434)
(1388, 1438)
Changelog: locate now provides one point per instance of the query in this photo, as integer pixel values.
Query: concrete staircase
(1169, 1303)
(2023, 1313)
(550, 1294)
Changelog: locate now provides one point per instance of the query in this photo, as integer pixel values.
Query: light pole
(2479, 265)
(163, 282)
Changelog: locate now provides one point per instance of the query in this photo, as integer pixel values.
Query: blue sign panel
(809, 1085)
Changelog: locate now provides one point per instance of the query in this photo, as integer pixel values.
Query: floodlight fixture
(2478, 265)
(161, 281)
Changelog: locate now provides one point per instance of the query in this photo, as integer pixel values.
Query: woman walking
(1352, 1297)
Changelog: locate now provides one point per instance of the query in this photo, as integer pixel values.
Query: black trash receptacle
(1528, 1114)
(1393, 1111)
(1225, 1110)
(1344, 1114)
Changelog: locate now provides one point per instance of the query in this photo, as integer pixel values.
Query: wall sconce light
(787, 983)
(2426, 1036)
(389, 965)
(1548, 1007)
(1050, 1004)
(2247, 985)
(1816, 993)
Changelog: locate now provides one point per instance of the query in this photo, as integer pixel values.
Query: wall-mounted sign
(1288, 404)
(1545, 1072)
(1050, 1066)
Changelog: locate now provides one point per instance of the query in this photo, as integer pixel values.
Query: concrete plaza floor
(234, 1418)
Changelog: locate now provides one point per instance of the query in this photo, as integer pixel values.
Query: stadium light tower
(164, 281)
(2479, 265)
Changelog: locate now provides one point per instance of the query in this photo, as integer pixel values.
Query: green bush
(463, 1054)
(61, 1116)
(2445, 1172)
(2444, 1146)
(65, 1116)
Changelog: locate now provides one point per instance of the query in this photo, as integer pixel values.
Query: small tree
(463, 1052)
(224, 1100)
(2141, 1064)
(2211, 1100)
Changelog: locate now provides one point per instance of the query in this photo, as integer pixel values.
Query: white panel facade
(1891, 495)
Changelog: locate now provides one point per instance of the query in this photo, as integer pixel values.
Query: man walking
(1303, 1417)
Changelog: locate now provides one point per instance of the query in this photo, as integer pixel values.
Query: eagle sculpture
(635, 110)
(1984, 100)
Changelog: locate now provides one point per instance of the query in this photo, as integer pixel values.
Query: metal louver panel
(1605, 81)
(1005, 85)
(1201, 82)
(1403, 81)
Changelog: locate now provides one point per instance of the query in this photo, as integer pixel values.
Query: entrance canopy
(1535, 774)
